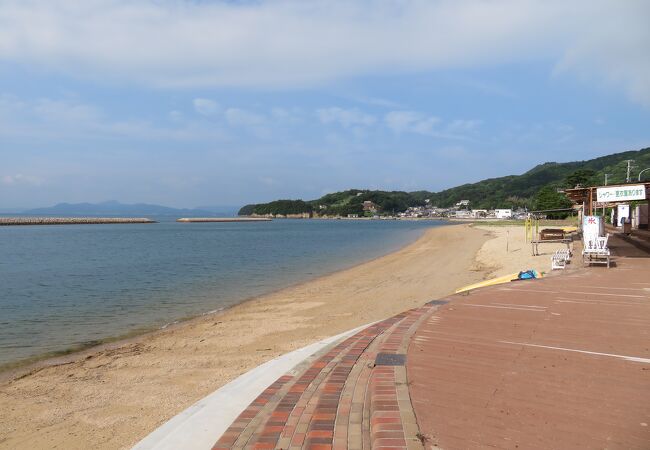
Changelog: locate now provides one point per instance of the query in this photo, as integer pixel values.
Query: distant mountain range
(114, 208)
(512, 191)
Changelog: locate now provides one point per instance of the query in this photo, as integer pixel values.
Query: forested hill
(505, 192)
(519, 190)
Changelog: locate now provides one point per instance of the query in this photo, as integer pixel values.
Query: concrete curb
(202, 424)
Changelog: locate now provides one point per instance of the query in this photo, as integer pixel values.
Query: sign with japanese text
(620, 193)
(592, 226)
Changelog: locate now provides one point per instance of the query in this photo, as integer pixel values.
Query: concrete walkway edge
(203, 423)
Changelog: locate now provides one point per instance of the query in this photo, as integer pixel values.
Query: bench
(535, 243)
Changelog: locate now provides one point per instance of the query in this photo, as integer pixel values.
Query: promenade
(560, 362)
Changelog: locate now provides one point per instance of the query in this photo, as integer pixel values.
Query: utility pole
(629, 168)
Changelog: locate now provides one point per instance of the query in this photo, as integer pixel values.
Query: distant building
(462, 203)
(503, 213)
(369, 206)
(479, 213)
(463, 214)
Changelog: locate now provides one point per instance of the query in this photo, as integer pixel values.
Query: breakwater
(70, 220)
(223, 219)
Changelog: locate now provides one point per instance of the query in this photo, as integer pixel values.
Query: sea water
(69, 286)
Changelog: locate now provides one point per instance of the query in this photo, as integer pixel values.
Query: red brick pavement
(509, 366)
(341, 400)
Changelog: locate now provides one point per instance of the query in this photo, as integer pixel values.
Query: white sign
(592, 227)
(620, 193)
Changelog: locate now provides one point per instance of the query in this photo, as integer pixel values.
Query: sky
(195, 103)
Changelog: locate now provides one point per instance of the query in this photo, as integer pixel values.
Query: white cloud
(242, 117)
(289, 116)
(461, 125)
(400, 121)
(175, 115)
(20, 179)
(374, 101)
(205, 106)
(345, 117)
(48, 118)
(485, 87)
(295, 43)
(411, 121)
(268, 181)
(415, 122)
(615, 49)
(65, 111)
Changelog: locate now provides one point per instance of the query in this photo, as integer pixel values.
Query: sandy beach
(112, 397)
(508, 252)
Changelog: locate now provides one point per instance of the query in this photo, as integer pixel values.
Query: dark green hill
(519, 190)
(504, 192)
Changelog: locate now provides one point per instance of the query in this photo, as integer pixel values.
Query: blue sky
(226, 103)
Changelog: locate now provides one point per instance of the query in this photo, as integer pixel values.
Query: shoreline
(26, 366)
(113, 395)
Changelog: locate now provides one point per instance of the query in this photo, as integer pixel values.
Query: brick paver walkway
(354, 396)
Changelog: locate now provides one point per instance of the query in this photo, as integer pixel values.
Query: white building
(463, 214)
(503, 213)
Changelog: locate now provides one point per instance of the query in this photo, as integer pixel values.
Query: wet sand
(112, 397)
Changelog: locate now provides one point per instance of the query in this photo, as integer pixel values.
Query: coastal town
(461, 210)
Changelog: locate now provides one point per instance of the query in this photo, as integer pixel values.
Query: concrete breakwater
(223, 219)
(70, 220)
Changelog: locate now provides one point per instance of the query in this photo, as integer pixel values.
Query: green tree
(246, 210)
(284, 207)
(582, 177)
(548, 198)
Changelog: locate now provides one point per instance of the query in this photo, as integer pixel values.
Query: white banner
(592, 227)
(620, 193)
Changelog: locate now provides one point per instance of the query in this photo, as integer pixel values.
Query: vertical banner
(592, 227)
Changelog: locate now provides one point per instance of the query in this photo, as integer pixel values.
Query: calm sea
(68, 286)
